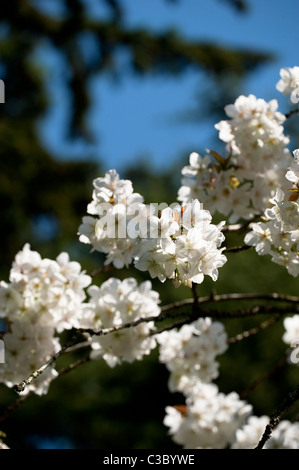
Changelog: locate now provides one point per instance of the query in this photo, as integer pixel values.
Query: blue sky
(137, 118)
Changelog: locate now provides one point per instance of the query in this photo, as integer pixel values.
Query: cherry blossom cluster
(209, 420)
(240, 185)
(289, 83)
(116, 304)
(278, 234)
(187, 252)
(113, 206)
(43, 297)
(189, 353)
(178, 242)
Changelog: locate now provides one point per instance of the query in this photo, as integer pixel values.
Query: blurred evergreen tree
(43, 198)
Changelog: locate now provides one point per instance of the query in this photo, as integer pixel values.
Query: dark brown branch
(275, 418)
(176, 305)
(250, 312)
(21, 399)
(291, 113)
(275, 297)
(254, 330)
(24, 384)
(237, 249)
(14, 406)
(102, 270)
(73, 366)
(263, 377)
(214, 298)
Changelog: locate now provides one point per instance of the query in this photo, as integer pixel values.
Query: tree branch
(214, 298)
(101, 270)
(196, 313)
(14, 407)
(291, 113)
(73, 366)
(24, 384)
(277, 415)
(263, 377)
(254, 330)
(237, 249)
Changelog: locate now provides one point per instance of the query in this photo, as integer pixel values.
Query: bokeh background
(136, 86)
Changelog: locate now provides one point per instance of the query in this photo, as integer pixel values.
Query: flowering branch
(24, 384)
(122, 321)
(166, 315)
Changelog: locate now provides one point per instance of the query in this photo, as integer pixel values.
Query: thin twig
(21, 399)
(263, 377)
(237, 249)
(22, 385)
(73, 366)
(294, 111)
(215, 298)
(275, 297)
(250, 312)
(277, 415)
(254, 330)
(75, 347)
(101, 270)
(14, 406)
(177, 304)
